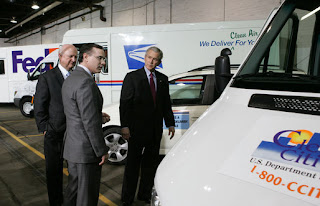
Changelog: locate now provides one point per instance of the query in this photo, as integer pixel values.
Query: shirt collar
(85, 69)
(148, 72)
(63, 71)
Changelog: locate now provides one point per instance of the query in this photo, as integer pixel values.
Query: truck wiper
(279, 75)
(265, 74)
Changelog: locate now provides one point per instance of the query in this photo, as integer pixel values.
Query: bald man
(51, 120)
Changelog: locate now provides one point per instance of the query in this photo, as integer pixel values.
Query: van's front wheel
(26, 108)
(118, 146)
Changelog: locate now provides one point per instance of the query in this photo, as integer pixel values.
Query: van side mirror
(222, 71)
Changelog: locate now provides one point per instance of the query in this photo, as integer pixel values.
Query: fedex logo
(28, 63)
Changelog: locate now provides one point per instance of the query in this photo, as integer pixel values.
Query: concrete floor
(22, 165)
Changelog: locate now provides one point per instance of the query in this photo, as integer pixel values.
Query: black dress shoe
(126, 204)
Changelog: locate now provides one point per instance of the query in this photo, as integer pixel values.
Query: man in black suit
(51, 120)
(144, 103)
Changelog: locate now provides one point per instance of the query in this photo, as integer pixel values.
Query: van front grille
(296, 104)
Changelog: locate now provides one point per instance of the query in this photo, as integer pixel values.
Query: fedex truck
(15, 63)
(259, 143)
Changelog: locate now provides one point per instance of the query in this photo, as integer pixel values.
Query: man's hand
(105, 118)
(171, 131)
(125, 132)
(103, 159)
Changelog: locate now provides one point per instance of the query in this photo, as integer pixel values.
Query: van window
(105, 70)
(2, 71)
(186, 91)
(284, 62)
(41, 69)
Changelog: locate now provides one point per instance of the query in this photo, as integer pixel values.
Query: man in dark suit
(144, 103)
(84, 147)
(51, 120)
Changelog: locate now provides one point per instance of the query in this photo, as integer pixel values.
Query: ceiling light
(13, 20)
(35, 6)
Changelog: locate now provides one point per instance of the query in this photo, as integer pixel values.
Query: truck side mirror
(222, 71)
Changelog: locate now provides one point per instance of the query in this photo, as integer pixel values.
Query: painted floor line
(34, 135)
(24, 120)
(65, 171)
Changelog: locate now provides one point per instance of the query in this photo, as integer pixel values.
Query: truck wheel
(26, 108)
(118, 146)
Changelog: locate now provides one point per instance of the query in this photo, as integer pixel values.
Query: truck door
(4, 97)
(189, 97)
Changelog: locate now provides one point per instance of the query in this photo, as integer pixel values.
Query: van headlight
(155, 200)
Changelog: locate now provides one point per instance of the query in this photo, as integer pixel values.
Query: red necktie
(153, 88)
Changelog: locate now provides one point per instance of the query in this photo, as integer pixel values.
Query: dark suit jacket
(137, 109)
(83, 102)
(48, 107)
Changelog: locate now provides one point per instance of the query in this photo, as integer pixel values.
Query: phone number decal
(302, 189)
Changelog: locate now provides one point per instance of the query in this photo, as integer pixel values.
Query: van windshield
(286, 58)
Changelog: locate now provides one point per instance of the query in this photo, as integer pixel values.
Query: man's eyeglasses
(100, 58)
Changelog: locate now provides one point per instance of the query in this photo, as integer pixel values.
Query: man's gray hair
(157, 50)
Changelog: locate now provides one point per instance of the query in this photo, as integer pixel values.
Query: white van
(259, 143)
(15, 63)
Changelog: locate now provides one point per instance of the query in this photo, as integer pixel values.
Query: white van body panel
(191, 153)
(247, 152)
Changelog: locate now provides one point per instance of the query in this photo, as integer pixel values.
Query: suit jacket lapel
(59, 76)
(90, 76)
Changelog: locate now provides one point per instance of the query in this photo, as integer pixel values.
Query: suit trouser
(54, 166)
(146, 157)
(83, 184)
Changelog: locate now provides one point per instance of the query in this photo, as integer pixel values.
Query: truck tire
(26, 108)
(118, 146)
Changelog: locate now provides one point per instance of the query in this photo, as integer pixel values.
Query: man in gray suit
(84, 147)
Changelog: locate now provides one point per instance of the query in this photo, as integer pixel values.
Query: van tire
(26, 108)
(118, 146)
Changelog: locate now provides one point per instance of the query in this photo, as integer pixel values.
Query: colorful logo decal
(298, 148)
(28, 63)
(135, 55)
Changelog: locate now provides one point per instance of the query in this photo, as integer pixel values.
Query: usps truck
(259, 143)
(15, 64)
(185, 47)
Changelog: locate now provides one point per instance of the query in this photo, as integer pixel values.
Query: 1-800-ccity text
(302, 189)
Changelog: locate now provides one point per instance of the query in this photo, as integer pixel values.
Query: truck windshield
(286, 57)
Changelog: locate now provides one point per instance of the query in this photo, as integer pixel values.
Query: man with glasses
(51, 120)
(84, 148)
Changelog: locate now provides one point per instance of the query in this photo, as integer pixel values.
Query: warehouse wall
(145, 12)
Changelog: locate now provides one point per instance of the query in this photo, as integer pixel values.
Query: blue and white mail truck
(259, 143)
